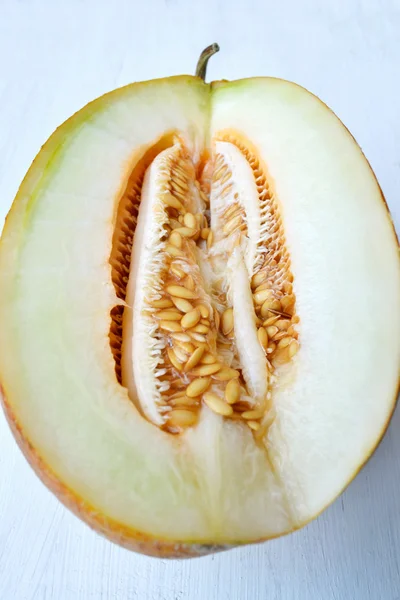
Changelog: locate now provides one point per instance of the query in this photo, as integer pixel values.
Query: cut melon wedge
(92, 411)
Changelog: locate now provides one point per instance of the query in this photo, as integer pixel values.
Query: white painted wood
(54, 57)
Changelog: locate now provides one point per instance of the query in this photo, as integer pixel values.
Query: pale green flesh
(56, 365)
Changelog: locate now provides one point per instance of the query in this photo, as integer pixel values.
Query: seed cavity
(192, 317)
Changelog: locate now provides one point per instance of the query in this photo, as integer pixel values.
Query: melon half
(195, 283)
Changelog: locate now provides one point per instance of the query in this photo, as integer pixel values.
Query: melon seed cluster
(194, 333)
(189, 323)
(271, 284)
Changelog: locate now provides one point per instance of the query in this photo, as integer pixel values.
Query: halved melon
(195, 280)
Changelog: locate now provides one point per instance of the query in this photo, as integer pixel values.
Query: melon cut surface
(92, 420)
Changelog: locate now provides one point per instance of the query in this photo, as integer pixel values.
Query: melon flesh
(213, 484)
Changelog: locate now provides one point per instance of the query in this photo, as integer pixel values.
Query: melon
(195, 283)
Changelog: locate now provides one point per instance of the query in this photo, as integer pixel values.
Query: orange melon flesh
(213, 486)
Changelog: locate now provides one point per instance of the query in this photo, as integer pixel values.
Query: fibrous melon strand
(120, 259)
(184, 313)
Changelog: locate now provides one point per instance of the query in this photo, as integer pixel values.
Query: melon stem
(205, 56)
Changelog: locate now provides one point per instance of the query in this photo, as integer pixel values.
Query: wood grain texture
(56, 56)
